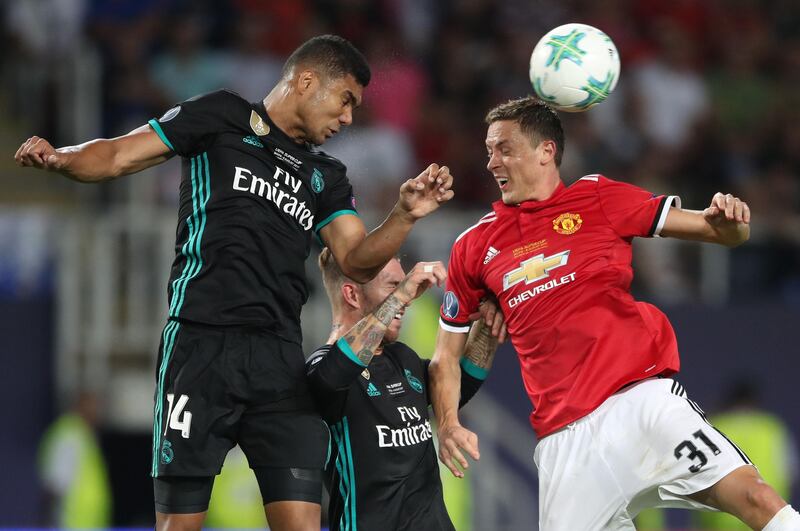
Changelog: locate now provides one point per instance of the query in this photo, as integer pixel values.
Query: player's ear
(547, 152)
(305, 80)
(351, 296)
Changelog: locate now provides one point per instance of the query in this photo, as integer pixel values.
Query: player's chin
(393, 332)
(508, 198)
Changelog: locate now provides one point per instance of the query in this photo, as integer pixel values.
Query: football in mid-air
(574, 67)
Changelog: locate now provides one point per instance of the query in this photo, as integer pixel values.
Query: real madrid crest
(365, 374)
(258, 125)
(567, 223)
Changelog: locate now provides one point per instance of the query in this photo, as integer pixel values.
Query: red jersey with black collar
(561, 271)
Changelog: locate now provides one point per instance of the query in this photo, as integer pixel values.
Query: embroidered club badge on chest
(567, 223)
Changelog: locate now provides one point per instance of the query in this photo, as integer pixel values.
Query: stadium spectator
(73, 470)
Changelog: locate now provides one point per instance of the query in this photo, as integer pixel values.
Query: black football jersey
(250, 200)
(382, 472)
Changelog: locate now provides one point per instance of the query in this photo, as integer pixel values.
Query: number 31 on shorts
(693, 453)
(175, 421)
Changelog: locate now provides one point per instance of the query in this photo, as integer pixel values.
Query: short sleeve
(633, 211)
(337, 198)
(464, 291)
(191, 126)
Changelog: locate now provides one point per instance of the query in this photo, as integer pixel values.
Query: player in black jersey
(254, 190)
(382, 473)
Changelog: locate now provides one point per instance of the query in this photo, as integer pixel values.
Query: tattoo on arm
(387, 310)
(481, 345)
(368, 333)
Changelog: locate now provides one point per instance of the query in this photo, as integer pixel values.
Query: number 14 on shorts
(693, 453)
(175, 421)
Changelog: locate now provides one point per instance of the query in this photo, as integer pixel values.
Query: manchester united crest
(567, 223)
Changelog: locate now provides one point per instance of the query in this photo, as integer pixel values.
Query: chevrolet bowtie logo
(534, 269)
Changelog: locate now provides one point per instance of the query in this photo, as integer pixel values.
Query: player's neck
(281, 111)
(544, 188)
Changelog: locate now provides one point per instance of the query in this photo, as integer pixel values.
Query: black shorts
(217, 387)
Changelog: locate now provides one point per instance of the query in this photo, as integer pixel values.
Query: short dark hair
(333, 55)
(535, 118)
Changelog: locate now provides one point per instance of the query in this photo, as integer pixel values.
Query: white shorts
(646, 446)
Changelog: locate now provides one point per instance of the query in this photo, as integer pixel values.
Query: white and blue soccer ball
(574, 67)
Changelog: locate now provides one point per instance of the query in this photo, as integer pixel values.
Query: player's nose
(346, 118)
(494, 162)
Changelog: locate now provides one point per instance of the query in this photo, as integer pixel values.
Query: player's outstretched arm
(97, 160)
(726, 221)
(361, 256)
(445, 389)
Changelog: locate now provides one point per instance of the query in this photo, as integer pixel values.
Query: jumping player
(372, 391)
(616, 432)
(254, 191)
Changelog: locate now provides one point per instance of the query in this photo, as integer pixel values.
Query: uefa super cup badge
(567, 223)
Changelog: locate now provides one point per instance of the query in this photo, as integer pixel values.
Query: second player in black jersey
(382, 473)
(254, 193)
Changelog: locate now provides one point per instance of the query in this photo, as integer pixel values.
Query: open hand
(453, 440)
(423, 194)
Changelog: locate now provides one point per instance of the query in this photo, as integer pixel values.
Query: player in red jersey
(617, 434)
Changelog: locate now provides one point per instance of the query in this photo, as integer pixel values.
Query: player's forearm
(481, 346)
(379, 246)
(103, 159)
(92, 161)
(365, 337)
(445, 389)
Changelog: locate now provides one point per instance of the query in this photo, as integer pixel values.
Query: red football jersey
(561, 270)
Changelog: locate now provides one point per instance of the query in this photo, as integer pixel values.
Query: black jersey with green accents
(382, 472)
(250, 200)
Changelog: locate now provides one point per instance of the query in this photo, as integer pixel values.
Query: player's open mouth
(502, 183)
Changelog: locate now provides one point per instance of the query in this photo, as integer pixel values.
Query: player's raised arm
(97, 160)
(445, 390)
(726, 221)
(359, 344)
(360, 255)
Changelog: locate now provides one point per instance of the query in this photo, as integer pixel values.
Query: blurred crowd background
(707, 102)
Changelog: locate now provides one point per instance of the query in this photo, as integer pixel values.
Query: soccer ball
(574, 67)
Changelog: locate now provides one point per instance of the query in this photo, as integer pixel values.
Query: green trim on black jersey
(168, 342)
(473, 370)
(347, 480)
(201, 193)
(333, 216)
(345, 347)
(157, 128)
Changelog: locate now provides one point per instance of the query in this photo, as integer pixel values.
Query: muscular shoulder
(221, 96)
(478, 231)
